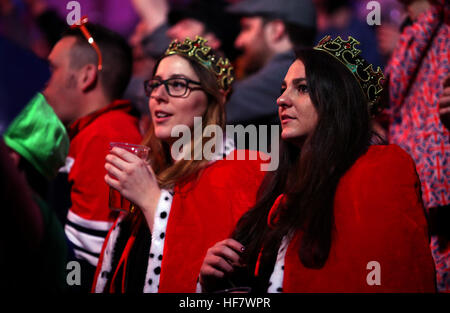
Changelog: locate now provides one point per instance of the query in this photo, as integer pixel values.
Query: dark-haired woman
(339, 214)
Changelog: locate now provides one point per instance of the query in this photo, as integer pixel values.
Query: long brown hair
(169, 173)
(309, 175)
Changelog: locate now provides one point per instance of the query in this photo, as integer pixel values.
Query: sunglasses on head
(82, 26)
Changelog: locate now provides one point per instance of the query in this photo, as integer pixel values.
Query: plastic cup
(117, 202)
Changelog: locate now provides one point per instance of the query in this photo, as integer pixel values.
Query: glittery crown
(369, 80)
(198, 50)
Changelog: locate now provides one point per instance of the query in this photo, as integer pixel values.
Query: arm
(153, 13)
(154, 18)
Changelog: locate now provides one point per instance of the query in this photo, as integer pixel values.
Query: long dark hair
(308, 175)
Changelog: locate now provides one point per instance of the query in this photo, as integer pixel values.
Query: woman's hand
(134, 179)
(153, 13)
(220, 260)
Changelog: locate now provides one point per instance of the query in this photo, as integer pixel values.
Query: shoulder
(381, 170)
(381, 186)
(383, 174)
(280, 63)
(272, 73)
(116, 119)
(387, 152)
(239, 167)
(115, 125)
(384, 159)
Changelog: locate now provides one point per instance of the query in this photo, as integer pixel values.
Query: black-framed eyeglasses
(177, 87)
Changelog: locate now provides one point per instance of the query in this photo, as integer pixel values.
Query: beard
(248, 65)
(253, 59)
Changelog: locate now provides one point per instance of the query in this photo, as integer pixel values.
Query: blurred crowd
(62, 211)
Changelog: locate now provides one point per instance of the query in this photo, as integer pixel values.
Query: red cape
(379, 216)
(203, 212)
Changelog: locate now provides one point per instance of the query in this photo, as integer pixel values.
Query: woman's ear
(88, 77)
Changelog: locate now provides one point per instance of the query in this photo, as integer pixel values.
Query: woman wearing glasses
(339, 214)
(185, 205)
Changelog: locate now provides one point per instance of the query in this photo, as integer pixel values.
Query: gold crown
(203, 54)
(369, 80)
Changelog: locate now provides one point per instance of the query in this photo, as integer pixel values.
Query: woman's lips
(286, 118)
(161, 116)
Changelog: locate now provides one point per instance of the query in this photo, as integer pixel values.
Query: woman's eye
(302, 88)
(282, 90)
(178, 84)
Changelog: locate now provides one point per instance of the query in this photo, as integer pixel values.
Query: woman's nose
(283, 100)
(159, 93)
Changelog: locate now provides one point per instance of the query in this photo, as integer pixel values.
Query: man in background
(84, 90)
(270, 31)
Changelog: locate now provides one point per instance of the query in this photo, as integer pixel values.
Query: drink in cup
(117, 202)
